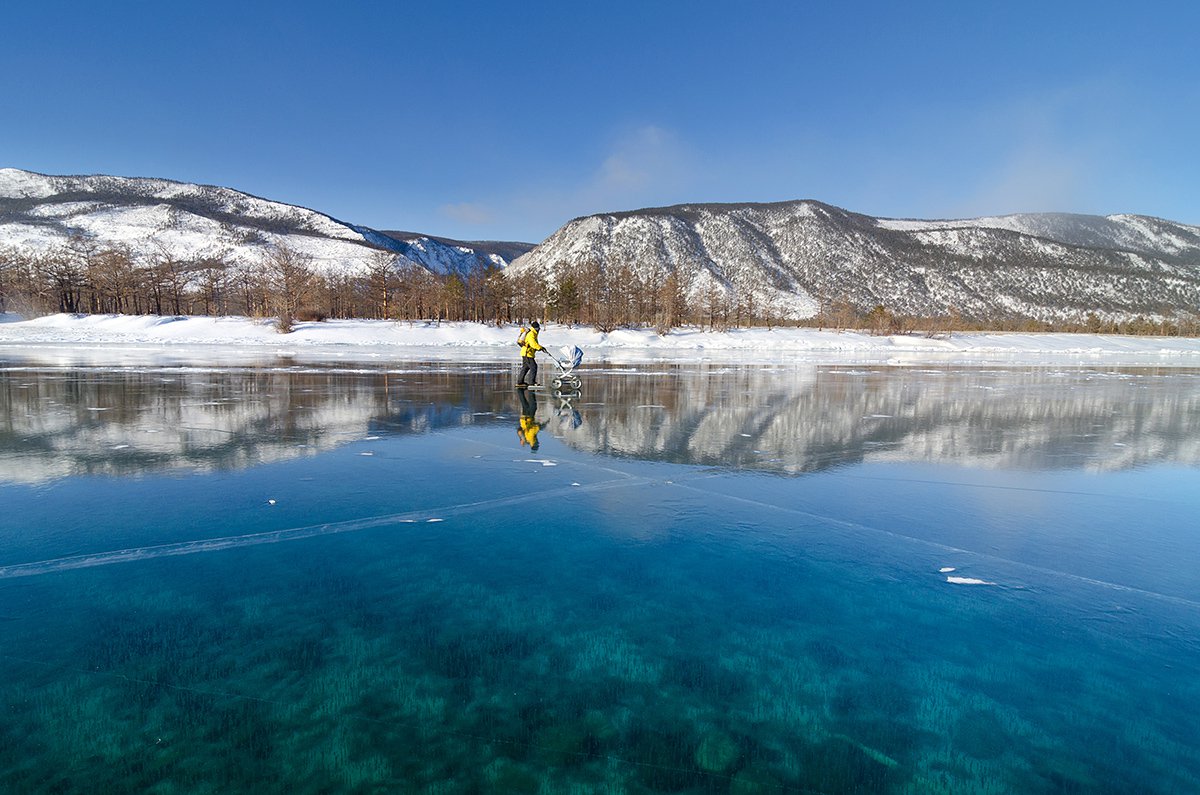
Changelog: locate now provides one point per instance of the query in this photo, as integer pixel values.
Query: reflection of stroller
(567, 381)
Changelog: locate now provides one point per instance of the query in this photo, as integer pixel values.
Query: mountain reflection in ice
(802, 420)
(62, 422)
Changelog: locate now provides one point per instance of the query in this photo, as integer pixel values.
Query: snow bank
(117, 337)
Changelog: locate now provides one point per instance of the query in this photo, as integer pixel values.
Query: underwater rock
(662, 753)
(842, 764)
(502, 775)
(565, 744)
(979, 733)
(600, 726)
(753, 781)
(717, 752)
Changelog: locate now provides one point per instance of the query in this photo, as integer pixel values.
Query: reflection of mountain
(802, 420)
(63, 422)
(57, 423)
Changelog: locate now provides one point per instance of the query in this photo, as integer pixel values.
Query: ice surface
(658, 613)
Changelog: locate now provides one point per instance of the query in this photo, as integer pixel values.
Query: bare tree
(383, 281)
(168, 277)
(290, 282)
(671, 302)
(9, 270)
(499, 291)
(212, 283)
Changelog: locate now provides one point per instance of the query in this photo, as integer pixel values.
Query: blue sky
(506, 120)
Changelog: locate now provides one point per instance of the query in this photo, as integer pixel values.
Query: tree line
(84, 277)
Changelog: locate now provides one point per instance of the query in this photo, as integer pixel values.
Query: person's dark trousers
(528, 365)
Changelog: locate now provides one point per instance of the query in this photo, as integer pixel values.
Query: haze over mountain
(798, 256)
(788, 259)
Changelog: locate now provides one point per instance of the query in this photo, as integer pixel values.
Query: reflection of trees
(54, 424)
(87, 421)
(58, 423)
(804, 420)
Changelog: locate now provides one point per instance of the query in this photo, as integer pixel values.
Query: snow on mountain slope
(39, 213)
(202, 199)
(443, 258)
(444, 255)
(798, 256)
(1123, 232)
(786, 258)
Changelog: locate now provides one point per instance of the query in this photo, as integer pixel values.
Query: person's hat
(534, 324)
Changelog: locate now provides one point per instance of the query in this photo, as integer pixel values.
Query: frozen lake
(691, 578)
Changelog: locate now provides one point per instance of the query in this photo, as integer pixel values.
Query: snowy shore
(116, 339)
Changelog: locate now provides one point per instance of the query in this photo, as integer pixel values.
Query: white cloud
(643, 166)
(648, 159)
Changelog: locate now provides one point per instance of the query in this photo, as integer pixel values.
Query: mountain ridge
(786, 259)
(40, 211)
(799, 257)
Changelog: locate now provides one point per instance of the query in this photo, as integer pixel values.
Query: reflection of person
(528, 427)
(529, 347)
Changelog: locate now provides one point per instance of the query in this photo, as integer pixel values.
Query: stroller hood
(571, 356)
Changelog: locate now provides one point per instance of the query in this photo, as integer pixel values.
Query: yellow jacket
(531, 345)
(528, 432)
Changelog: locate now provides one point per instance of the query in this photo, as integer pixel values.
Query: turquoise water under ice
(704, 579)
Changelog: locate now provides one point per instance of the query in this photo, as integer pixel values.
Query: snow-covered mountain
(787, 258)
(39, 212)
(443, 255)
(795, 257)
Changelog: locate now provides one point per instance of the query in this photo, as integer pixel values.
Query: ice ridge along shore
(369, 340)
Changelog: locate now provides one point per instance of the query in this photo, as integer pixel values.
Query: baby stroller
(567, 380)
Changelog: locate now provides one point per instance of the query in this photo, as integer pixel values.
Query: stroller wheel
(557, 382)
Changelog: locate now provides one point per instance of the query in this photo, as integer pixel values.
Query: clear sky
(505, 120)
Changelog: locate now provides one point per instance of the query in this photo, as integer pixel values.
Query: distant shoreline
(117, 338)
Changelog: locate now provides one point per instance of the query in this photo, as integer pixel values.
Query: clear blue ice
(703, 579)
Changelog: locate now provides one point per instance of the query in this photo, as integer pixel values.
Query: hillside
(791, 259)
(446, 255)
(798, 257)
(194, 222)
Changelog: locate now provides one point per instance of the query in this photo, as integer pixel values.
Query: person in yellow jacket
(529, 346)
